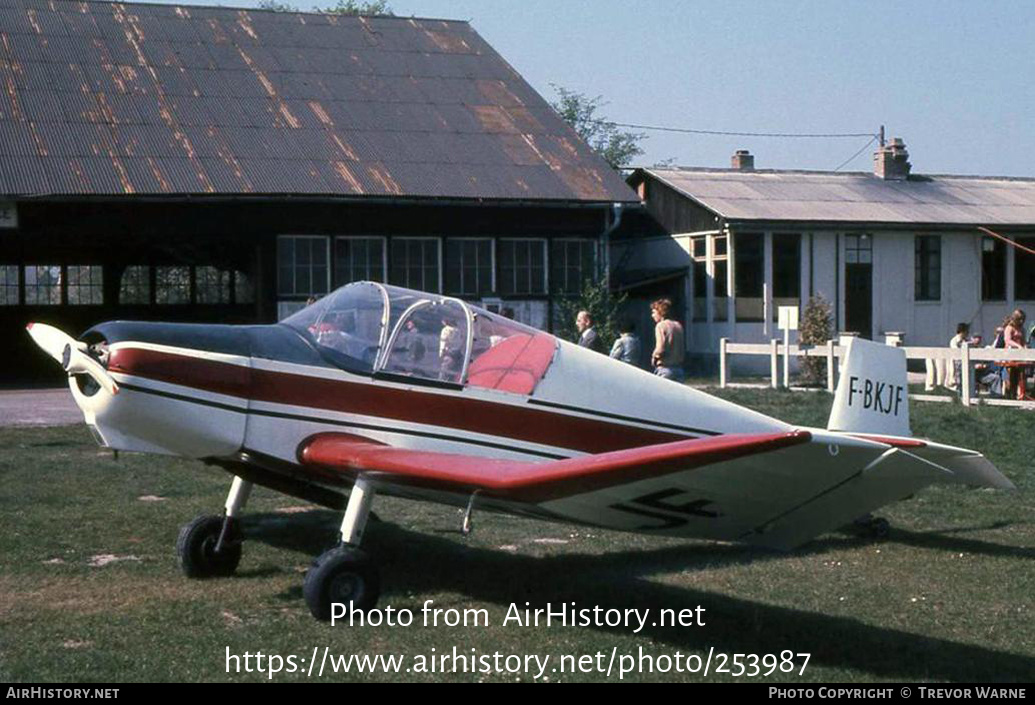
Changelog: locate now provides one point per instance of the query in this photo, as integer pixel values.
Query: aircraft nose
(73, 355)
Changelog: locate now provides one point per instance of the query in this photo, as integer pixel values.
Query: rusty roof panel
(124, 98)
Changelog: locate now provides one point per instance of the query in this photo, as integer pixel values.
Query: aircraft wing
(533, 481)
(771, 489)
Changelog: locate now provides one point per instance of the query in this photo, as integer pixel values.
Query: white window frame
(35, 286)
(409, 238)
(492, 259)
(546, 265)
(384, 257)
(596, 257)
(7, 286)
(294, 290)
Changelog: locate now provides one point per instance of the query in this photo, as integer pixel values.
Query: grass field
(90, 589)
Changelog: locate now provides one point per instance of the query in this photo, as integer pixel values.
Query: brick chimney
(743, 160)
(891, 162)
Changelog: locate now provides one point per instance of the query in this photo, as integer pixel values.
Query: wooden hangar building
(217, 164)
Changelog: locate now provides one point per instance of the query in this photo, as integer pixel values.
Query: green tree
(276, 6)
(351, 7)
(344, 7)
(604, 309)
(815, 330)
(617, 147)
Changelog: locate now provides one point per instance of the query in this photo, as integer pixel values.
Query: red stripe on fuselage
(388, 402)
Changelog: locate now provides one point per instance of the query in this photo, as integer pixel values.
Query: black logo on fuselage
(881, 397)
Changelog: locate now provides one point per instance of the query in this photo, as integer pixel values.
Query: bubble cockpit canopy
(394, 333)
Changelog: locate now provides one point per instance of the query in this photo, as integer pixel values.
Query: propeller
(71, 354)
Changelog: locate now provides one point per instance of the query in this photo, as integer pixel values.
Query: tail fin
(872, 395)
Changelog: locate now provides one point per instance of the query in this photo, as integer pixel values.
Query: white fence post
(830, 366)
(774, 355)
(787, 358)
(722, 362)
(965, 373)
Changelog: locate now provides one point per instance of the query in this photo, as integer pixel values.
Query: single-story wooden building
(891, 251)
(218, 164)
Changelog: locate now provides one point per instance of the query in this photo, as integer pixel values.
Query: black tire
(196, 546)
(344, 574)
(879, 528)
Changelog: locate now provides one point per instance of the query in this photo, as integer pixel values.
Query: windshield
(371, 328)
(347, 326)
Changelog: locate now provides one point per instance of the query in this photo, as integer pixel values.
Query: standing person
(669, 346)
(1013, 337)
(450, 350)
(954, 375)
(627, 345)
(588, 337)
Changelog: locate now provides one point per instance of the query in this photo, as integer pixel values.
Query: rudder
(872, 394)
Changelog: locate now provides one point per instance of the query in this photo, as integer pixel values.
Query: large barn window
(572, 263)
(522, 267)
(358, 259)
(415, 263)
(135, 285)
(1024, 271)
(468, 266)
(928, 265)
(749, 275)
(786, 271)
(302, 265)
(9, 280)
(85, 285)
(993, 270)
(42, 284)
(212, 285)
(172, 285)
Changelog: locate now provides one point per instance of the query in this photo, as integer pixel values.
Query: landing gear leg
(345, 573)
(210, 545)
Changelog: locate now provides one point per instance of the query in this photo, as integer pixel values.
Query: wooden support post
(830, 366)
(774, 362)
(722, 363)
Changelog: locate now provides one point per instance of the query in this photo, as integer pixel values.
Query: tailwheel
(341, 575)
(209, 546)
(879, 528)
(876, 528)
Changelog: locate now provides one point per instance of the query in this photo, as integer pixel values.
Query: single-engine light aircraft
(376, 389)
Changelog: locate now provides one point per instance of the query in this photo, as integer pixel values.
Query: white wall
(894, 303)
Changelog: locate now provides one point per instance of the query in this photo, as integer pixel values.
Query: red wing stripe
(537, 482)
(892, 441)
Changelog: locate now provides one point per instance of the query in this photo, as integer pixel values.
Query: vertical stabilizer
(872, 395)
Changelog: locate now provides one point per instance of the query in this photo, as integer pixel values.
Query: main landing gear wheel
(197, 544)
(344, 574)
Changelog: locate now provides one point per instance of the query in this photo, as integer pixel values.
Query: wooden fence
(831, 352)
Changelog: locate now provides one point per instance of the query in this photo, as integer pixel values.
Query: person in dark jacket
(588, 337)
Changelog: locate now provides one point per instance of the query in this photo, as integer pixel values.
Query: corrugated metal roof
(122, 98)
(834, 197)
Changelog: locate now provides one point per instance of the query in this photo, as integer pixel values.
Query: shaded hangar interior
(179, 162)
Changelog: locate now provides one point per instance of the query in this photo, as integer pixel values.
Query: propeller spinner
(71, 354)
